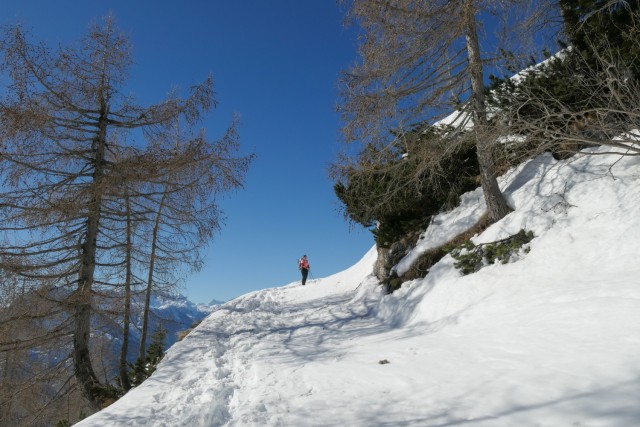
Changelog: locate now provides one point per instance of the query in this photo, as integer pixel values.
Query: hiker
(303, 266)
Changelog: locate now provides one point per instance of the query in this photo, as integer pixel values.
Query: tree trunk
(497, 206)
(124, 372)
(88, 382)
(381, 268)
(152, 260)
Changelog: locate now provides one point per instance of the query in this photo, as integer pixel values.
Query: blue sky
(276, 64)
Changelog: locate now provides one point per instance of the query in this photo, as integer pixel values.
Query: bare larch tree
(63, 127)
(419, 61)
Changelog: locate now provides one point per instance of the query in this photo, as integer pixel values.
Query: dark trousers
(304, 272)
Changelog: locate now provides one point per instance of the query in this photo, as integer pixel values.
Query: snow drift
(549, 340)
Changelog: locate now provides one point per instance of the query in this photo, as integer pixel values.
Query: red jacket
(303, 263)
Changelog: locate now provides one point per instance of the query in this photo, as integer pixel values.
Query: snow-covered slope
(551, 340)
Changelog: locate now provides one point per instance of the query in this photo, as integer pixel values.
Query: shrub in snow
(471, 257)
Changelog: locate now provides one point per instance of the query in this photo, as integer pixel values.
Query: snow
(550, 340)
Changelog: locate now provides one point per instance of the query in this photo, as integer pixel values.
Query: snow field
(549, 340)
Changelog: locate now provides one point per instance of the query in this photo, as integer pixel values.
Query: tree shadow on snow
(615, 405)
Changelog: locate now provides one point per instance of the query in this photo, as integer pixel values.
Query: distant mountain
(174, 312)
(216, 302)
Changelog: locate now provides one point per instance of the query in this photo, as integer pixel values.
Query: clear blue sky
(276, 64)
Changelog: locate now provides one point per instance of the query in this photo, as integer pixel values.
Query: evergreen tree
(155, 353)
(399, 194)
(596, 25)
(145, 366)
(585, 96)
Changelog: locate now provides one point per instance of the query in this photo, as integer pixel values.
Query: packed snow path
(549, 340)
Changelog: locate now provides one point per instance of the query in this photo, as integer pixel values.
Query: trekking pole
(312, 278)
